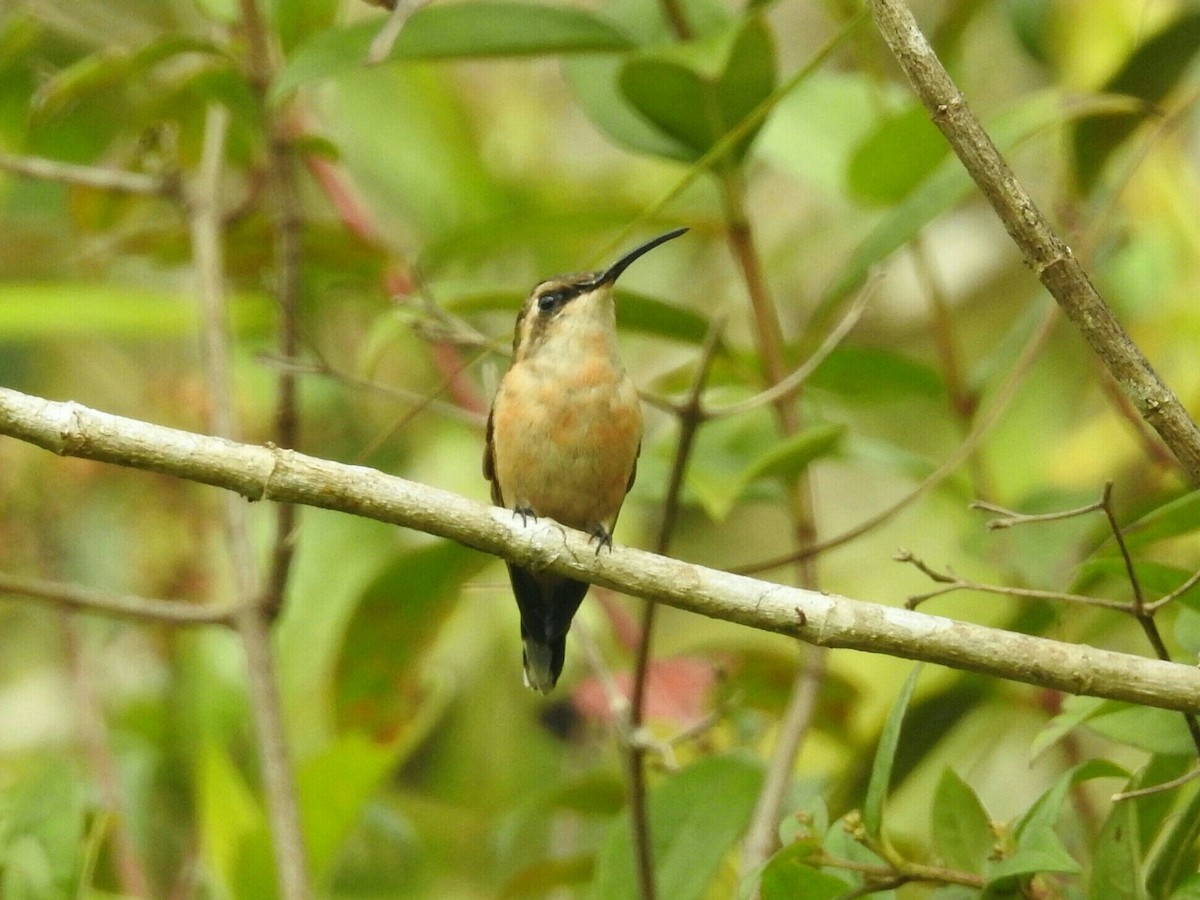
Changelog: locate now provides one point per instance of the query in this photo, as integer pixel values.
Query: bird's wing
(489, 461)
(633, 471)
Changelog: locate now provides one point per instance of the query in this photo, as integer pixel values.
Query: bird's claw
(602, 536)
(526, 513)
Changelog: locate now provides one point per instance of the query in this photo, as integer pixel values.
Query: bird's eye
(552, 300)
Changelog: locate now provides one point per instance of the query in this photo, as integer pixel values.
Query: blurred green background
(498, 145)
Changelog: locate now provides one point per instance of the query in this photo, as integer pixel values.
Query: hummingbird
(563, 438)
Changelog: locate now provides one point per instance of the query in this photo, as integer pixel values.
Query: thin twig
(1145, 618)
(397, 425)
(385, 39)
(761, 834)
(983, 424)
(1183, 779)
(93, 735)
(789, 386)
(1010, 518)
(251, 621)
(1192, 580)
(953, 583)
(89, 176)
(911, 871)
(323, 369)
(1046, 253)
(690, 419)
(288, 255)
(122, 606)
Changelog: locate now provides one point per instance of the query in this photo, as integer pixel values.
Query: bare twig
(89, 176)
(983, 424)
(93, 735)
(953, 583)
(251, 620)
(1162, 601)
(826, 620)
(1145, 617)
(760, 839)
(1009, 518)
(791, 384)
(123, 606)
(1185, 778)
(1045, 252)
(385, 40)
(323, 369)
(690, 417)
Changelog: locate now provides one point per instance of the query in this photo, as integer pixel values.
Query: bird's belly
(566, 448)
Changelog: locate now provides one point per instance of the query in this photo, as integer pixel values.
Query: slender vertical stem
(761, 834)
(1143, 614)
(691, 417)
(288, 255)
(252, 621)
(89, 722)
(282, 178)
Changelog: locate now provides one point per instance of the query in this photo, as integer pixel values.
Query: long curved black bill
(613, 272)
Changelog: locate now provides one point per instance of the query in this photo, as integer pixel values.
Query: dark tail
(548, 604)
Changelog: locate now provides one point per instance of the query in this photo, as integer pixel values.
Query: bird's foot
(602, 536)
(526, 513)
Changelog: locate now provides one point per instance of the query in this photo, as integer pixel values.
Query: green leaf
(1042, 816)
(42, 830)
(1188, 890)
(1051, 856)
(948, 185)
(110, 68)
(595, 81)
(1174, 518)
(1117, 858)
(900, 152)
(885, 755)
(721, 474)
(1039, 848)
(379, 684)
(876, 375)
(789, 457)
(696, 816)
(1075, 711)
(35, 311)
(1168, 833)
(228, 813)
(296, 20)
(595, 78)
(1156, 730)
(1149, 74)
(695, 93)
(334, 787)
(476, 29)
(788, 877)
(647, 315)
(962, 832)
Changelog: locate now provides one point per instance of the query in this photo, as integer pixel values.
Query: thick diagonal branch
(268, 473)
(1045, 252)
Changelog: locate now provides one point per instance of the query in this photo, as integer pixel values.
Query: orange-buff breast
(565, 447)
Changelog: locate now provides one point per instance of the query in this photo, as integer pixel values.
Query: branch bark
(1044, 251)
(826, 620)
